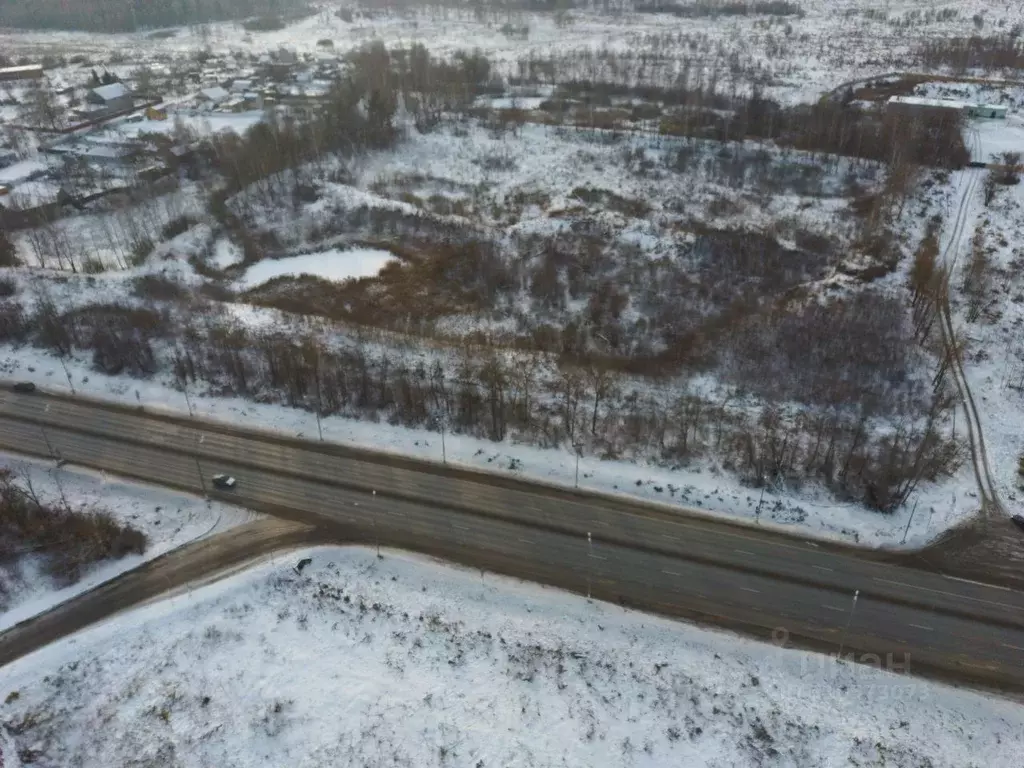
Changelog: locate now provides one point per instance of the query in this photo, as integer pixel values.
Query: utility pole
(188, 402)
(757, 512)
(319, 403)
(579, 450)
(199, 467)
(849, 620)
(67, 373)
(590, 563)
(49, 445)
(444, 452)
(376, 533)
(907, 529)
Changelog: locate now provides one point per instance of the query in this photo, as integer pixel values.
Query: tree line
(500, 395)
(131, 15)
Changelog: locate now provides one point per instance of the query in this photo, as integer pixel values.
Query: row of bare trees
(531, 398)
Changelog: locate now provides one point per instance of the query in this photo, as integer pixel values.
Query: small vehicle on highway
(224, 482)
(1018, 521)
(24, 387)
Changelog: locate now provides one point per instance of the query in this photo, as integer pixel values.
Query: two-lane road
(646, 556)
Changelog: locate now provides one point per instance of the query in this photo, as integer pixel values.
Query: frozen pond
(330, 265)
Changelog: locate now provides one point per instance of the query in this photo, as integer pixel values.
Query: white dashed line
(977, 583)
(671, 573)
(922, 626)
(749, 589)
(822, 568)
(833, 608)
(744, 552)
(947, 594)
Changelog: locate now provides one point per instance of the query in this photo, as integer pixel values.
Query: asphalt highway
(646, 556)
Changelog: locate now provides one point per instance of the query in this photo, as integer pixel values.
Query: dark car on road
(224, 482)
(1018, 521)
(24, 387)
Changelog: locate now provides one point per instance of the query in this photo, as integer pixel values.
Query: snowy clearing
(330, 265)
(401, 661)
(168, 519)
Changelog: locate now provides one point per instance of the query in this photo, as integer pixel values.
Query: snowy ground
(994, 358)
(404, 662)
(201, 123)
(168, 519)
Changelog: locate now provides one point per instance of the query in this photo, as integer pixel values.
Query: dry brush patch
(67, 540)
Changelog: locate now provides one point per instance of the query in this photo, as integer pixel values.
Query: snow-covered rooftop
(215, 94)
(111, 92)
(920, 101)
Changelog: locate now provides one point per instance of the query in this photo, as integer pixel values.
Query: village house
(111, 98)
(27, 72)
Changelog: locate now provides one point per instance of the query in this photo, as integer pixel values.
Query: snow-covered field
(168, 519)
(797, 57)
(403, 662)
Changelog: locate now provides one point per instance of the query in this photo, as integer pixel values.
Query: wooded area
(130, 15)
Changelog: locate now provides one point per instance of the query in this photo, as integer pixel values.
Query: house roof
(918, 101)
(21, 69)
(111, 92)
(214, 94)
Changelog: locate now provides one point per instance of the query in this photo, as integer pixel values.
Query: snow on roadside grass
(331, 265)
(809, 512)
(402, 661)
(168, 519)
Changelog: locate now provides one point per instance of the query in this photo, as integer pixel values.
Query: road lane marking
(921, 626)
(525, 541)
(833, 608)
(460, 527)
(822, 568)
(671, 573)
(947, 594)
(978, 583)
(598, 557)
(1014, 647)
(744, 552)
(751, 589)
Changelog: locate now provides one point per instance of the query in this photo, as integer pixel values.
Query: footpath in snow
(401, 661)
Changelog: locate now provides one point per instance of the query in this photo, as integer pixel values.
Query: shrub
(92, 266)
(157, 287)
(66, 540)
(141, 251)
(263, 24)
(8, 253)
(176, 227)
(13, 325)
(8, 287)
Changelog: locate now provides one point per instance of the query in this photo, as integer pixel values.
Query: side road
(189, 566)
